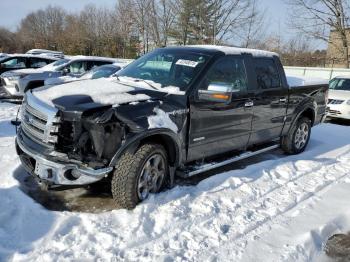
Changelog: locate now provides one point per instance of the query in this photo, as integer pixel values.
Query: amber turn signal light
(220, 96)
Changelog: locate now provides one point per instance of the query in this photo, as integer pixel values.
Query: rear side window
(78, 67)
(267, 73)
(93, 64)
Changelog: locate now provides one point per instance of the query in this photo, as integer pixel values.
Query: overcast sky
(12, 11)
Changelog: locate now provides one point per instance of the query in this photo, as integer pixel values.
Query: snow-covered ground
(277, 208)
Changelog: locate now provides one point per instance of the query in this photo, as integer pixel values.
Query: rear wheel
(298, 137)
(137, 175)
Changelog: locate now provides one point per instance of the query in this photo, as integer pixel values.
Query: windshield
(340, 84)
(101, 71)
(166, 68)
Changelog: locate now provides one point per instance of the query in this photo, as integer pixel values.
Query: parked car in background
(57, 54)
(22, 61)
(175, 111)
(76, 66)
(3, 55)
(339, 98)
(97, 72)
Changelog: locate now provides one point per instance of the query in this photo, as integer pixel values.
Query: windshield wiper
(139, 80)
(145, 81)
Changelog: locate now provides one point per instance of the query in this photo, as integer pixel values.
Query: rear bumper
(57, 172)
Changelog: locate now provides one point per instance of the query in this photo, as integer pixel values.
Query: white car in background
(339, 97)
(103, 71)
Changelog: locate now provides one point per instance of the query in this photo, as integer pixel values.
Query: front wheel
(298, 137)
(137, 175)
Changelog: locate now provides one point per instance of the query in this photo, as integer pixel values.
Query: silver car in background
(76, 66)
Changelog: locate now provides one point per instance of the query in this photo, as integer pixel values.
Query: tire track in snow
(249, 213)
(285, 197)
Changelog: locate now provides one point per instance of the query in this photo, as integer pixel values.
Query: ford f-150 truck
(175, 111)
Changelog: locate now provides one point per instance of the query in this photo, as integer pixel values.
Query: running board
(210, 166)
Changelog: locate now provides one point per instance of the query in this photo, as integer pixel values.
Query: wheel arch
(310, 113)
(306, 110)
(165, 138)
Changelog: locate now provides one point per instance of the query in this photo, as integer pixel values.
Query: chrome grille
(335, 101)
(39, 121)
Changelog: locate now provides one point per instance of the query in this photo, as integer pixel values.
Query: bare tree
(254, 32)
(141, 16)
(317, 18)
(43, 28)
(8, 41)
(125, 24)
(166, 18)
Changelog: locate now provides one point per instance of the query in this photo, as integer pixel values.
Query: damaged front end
(91, 139)
(68, 147)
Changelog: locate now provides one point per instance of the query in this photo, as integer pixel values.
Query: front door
(220, 126)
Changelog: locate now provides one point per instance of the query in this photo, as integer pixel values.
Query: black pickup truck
(175, 111)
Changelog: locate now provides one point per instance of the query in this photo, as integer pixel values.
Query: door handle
(249, 104)
(283, 100)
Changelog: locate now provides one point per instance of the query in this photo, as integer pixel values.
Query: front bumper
(57, 172)
(338, 111)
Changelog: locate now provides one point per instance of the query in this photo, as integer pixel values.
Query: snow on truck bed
(277, 208)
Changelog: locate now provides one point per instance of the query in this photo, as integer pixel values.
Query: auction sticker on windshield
(187, 63)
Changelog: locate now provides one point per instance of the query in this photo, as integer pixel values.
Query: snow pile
(230, 50)
(294, 81)
(104, 91)
(271, 208)
(161, 120)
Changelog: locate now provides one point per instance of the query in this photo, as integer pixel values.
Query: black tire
(289, 143)
(125, 180)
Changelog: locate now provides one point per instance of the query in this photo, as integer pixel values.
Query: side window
(100, 63)
(37, 62)
(77, 67)
(267, 73)
(18, 62)
(227, 74)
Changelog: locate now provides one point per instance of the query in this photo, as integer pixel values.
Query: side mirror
(66, 71)
(217, 92)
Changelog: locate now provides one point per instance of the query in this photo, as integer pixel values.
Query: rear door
(270, 98)
(216, 126)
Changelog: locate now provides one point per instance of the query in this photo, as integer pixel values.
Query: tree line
(134, 27)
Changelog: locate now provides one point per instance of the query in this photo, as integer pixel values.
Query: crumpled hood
(98, 92)
(339, 94)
